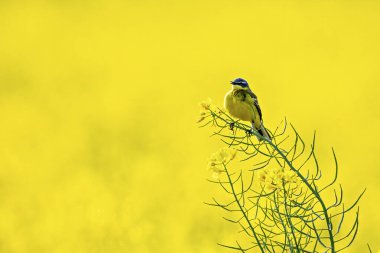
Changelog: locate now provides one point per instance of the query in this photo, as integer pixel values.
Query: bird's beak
(231, 82)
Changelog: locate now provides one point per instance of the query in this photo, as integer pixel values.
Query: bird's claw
(249, 132)
(232, 125)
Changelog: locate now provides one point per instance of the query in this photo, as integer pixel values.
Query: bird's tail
(263, 132)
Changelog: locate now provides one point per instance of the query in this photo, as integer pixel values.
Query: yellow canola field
(99, 146)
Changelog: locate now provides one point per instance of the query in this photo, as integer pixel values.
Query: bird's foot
(232, 125)
(249, 132)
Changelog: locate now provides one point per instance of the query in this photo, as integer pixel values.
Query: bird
(241, 103)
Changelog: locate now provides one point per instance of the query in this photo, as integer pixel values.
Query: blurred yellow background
(99, 149)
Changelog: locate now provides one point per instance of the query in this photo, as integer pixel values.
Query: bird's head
(239, 83)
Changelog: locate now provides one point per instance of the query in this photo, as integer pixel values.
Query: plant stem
(328, 222)
(241, 209)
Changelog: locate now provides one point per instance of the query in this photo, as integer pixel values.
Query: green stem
(288, 217)
(275, 199)
(241, 209)
(304, 180)
(328, 222)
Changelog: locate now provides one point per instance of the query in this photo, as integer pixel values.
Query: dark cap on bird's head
(240, 81)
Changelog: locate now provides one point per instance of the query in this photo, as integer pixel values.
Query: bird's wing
(255, 103)
(250, 98)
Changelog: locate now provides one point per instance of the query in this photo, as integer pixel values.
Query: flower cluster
(206, 104)
(219, 159)
(205, 112)
(209, 109)
(276, 178)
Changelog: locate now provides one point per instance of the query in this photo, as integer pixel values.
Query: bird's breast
(238, 108)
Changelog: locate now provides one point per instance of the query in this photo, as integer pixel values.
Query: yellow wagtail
(242, 104)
